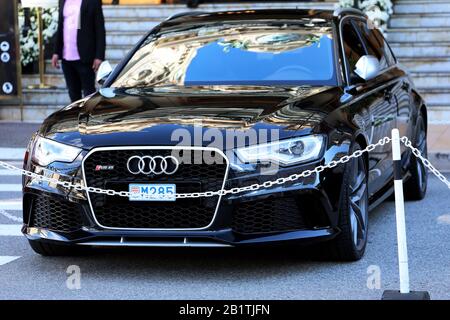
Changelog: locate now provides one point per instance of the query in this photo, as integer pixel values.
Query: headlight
(46, 151)
(285, 152)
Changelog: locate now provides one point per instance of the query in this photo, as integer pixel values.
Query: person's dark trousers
(80, 78)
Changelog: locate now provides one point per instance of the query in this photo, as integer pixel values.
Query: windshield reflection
(244, 53)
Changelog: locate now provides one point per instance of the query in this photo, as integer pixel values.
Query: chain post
(400, 213)
(402, 248)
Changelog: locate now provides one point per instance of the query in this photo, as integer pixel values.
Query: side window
(389, 56)
(372, 42)
(353, 49)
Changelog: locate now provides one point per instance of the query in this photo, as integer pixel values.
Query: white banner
(39, 3)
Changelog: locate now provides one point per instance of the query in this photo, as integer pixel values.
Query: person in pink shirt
(80, 44)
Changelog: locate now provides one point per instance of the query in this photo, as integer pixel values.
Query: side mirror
(103, 72)
(367, 67)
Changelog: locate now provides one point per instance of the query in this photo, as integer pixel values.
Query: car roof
(260, 14)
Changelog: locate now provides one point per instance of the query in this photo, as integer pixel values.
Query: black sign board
(9, 55)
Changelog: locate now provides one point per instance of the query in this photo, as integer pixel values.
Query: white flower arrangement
(29, 48)
(378, 11)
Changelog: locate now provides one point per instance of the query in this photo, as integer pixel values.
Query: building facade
(417, 31)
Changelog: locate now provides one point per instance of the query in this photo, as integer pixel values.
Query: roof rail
(343, 11)
(186, 14)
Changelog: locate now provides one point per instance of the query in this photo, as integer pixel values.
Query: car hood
(167, 115)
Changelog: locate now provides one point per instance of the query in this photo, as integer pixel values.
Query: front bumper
(221, 238)
(316, 198)
(220, 233)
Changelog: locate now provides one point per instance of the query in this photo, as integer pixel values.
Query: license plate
(152, 192)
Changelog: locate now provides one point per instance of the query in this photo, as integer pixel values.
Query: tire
(350, 244)
(53, 250)
(416, 186)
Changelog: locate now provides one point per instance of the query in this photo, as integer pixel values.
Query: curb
(440, 159)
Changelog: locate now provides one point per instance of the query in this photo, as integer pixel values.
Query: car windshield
(274, 53)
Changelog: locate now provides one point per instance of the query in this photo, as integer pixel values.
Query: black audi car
(215, 101)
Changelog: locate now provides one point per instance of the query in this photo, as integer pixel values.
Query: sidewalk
(439, 145)
(17, 135)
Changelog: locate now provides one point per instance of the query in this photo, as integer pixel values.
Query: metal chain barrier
(222, 192)
(253, 187)
(425, 161)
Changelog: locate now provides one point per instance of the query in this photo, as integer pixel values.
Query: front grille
(55, 215)
(269, 215)
(193, 175)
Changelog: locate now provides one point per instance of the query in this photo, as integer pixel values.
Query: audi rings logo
(153, 165)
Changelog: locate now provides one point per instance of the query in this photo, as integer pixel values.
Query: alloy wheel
(358, 203)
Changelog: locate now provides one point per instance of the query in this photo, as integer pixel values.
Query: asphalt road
(230, 273)
(16, 133)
